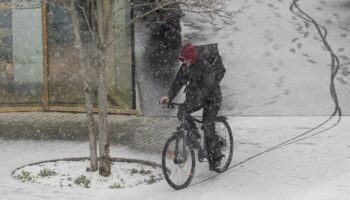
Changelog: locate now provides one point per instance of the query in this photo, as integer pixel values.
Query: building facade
(41, 71)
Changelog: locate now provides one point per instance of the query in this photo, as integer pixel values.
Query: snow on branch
(210, 10)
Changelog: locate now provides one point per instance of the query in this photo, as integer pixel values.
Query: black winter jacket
(202, 80)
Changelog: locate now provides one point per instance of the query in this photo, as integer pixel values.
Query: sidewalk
(315, 168)
(144, 133)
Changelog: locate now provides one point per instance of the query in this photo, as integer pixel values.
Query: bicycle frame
(182, 133)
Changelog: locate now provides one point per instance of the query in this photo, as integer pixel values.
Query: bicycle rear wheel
(178, 162)
(223, 130)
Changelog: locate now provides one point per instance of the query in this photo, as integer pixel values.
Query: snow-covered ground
(275, 61)
(316, 168)
(276, 66)
(75, 173)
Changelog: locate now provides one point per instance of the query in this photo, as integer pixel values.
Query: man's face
(187, 62)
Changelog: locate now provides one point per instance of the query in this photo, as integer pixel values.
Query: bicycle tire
(223, 120)
(165, 160)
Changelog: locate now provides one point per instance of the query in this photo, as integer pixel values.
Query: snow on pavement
(304, 170)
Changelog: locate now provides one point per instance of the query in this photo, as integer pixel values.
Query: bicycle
(179, 151)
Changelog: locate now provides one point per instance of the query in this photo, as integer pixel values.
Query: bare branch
(107, 27)
(86, 18)
(107, 45)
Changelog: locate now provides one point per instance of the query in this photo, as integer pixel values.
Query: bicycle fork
(179, 159)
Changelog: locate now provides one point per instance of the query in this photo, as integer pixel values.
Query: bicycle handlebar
(172, 105)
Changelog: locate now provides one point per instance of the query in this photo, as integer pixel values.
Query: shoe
(215, 153)
(214, 164)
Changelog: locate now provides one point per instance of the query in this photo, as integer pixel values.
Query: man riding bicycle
(201, 77)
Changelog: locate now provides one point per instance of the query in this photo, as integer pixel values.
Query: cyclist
(202, 79)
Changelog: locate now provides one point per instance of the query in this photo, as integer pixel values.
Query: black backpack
(210, 52)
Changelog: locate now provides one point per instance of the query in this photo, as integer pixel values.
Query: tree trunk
(105, 168)
(84, 63)
(105, 162)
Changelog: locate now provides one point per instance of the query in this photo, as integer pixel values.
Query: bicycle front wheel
(178, 162)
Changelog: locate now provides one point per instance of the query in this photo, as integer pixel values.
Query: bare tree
(99, 27)
(100, 23)
(84, 63)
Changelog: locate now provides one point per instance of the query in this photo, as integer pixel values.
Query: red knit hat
(188, 52)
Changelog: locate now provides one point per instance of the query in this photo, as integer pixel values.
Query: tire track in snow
(335, 65)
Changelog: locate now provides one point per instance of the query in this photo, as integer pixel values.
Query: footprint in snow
(268, 32)
(299, 45)
(294, 39)
(294, 18)
(341, 80)
(345, 64)
(328, 21)
(286, 92)
(322, 2)
(345, 73)
(280, 63)
(343, 35)
(281, 79)
(292, 50)
(343, 57)
(278, 15)
(225, 36)
(251, 18)
(306, 24)
(275, 69)
(278, 84)
(276, 46)
(306, 34)
(341, 49)
(267, 54)
(275, 97)
(312, 61)
(345, 29)
(306, 55)
(317, 38)
(270, 102)
(319, 8)
(300, 28)
(250, 74)
(269, 39)
(229, 43)
(253, 85)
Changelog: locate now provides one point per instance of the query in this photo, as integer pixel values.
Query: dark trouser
(210, 110)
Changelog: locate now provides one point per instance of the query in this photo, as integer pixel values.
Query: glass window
(21, 53)
(123, 88)
(21, 63)
(65, 81)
